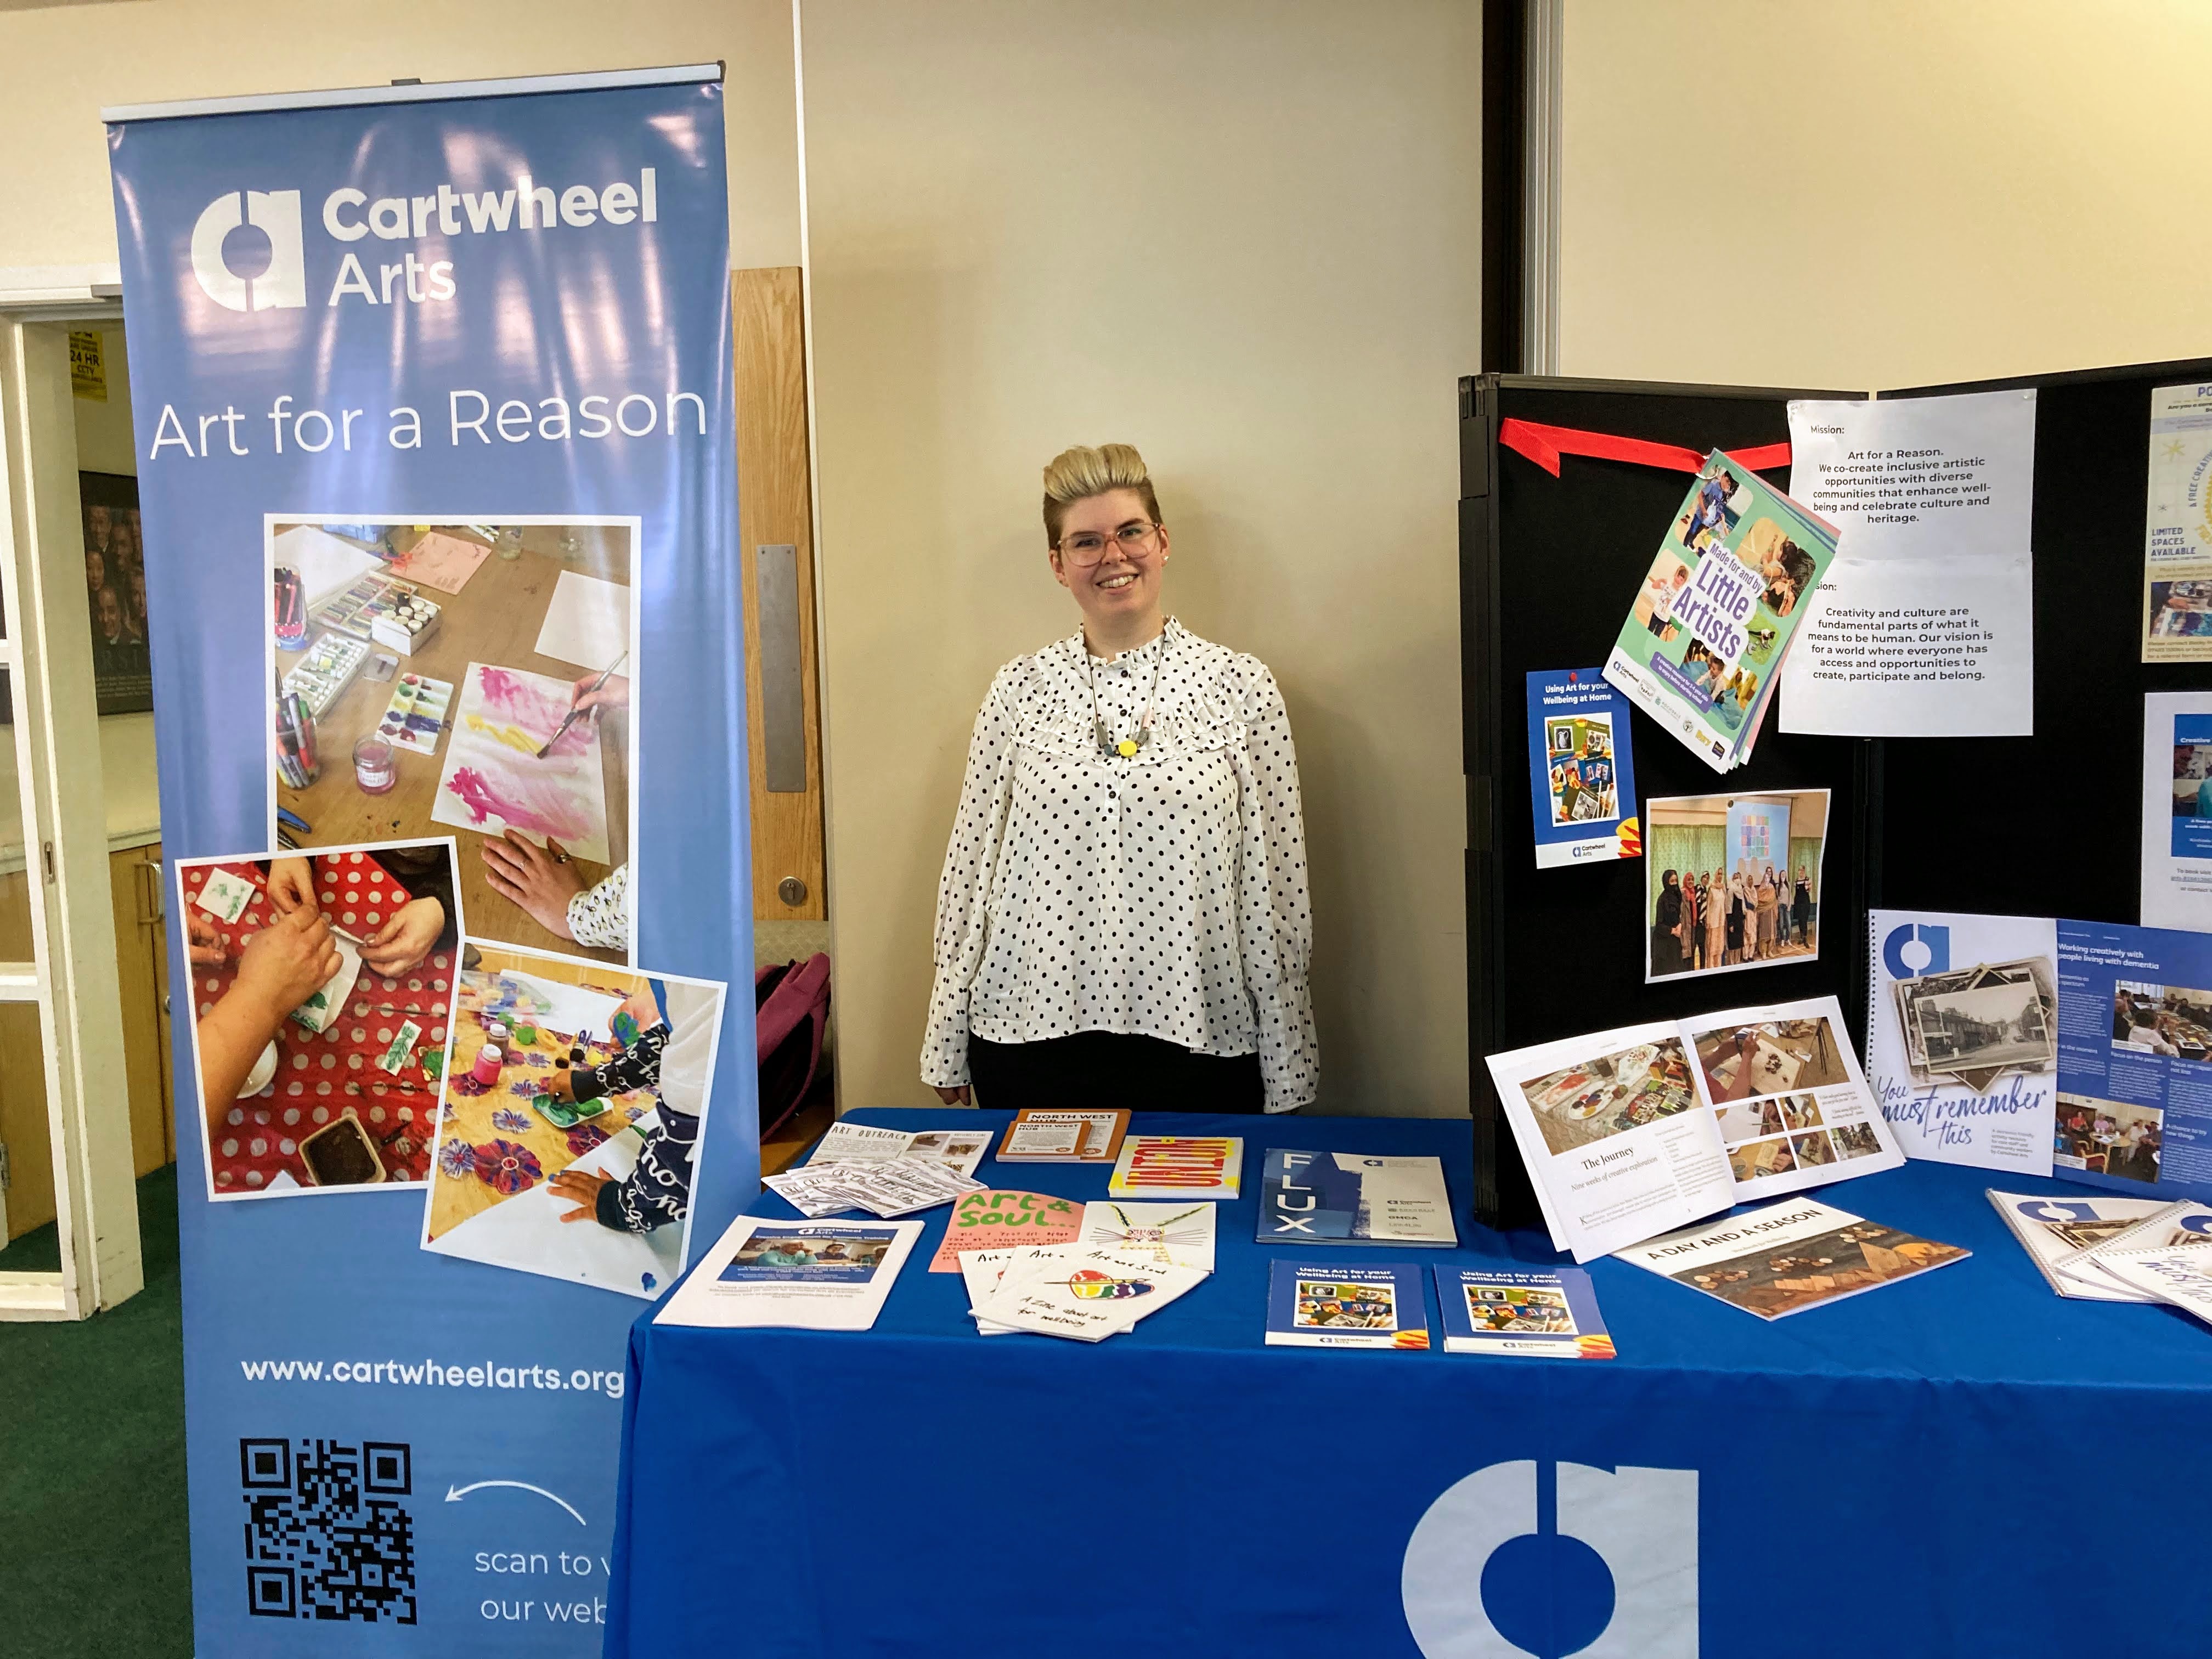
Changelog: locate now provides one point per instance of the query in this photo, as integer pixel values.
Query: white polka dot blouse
(1162, 893)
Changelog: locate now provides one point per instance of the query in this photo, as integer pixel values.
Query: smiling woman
(1122, 917)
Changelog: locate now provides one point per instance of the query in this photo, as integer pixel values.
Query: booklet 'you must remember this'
(1703, 643)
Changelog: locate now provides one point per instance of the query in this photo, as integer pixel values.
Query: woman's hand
(203, 943)
(291, 886)
(405, 938)
(285, 963)
(952, 1096)
(580, 1187)
(541, 880)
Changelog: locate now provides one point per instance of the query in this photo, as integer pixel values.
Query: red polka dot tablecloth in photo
(322, 1078)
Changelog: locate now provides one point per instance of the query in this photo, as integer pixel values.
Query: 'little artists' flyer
(1706, 636)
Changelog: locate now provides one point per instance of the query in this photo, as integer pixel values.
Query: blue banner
(436, 455)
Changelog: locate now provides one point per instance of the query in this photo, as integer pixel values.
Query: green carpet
(92, 1557)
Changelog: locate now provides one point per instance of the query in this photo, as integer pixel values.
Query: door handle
(156, 908)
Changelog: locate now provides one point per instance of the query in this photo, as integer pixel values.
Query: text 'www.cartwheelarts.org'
(430, 1374)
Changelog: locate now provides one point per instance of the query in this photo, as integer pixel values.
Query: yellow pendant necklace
(1109, 745)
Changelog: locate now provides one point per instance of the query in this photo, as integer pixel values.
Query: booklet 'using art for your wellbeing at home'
(1703, 643)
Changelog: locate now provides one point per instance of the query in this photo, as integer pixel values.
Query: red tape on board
(1545, 445)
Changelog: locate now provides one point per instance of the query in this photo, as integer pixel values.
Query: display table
(1960, 1463)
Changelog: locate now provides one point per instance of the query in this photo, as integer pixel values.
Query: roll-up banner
(437, 472)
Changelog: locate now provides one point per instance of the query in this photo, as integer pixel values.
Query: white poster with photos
(1962, 1035)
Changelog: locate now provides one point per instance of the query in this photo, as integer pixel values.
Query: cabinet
(141, 968)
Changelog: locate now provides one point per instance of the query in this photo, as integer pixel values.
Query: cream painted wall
(1883, 193)
(59, 66)
(1243, 236)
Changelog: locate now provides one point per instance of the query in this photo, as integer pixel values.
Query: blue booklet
(1582, 781)
(2135, 1059)
(1335, 1304)
(1550, 1314)
(1353, 1198)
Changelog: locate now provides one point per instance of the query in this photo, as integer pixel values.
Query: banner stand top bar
(341, 97)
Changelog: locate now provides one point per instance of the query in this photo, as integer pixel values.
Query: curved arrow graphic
(454, 1494)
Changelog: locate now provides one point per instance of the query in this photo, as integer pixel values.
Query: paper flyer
(1962, 1035)
(805, 1275)
(2134, 1059)
(1353, 1198)
(1732, 582)
(995, 1219)
(1337, 1304)
(2178, 527)
(1581, 777)
(2176, 811)
(1182, 1234)
(1924, 627)
(1790, 1256)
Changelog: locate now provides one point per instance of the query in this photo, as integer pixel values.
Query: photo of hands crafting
(322, 992)
(466, 677)
(571, 1118)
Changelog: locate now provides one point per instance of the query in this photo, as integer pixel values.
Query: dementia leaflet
(1706, 640)
(2134, 1059)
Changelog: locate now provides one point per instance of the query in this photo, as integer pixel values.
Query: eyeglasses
(1087, 548)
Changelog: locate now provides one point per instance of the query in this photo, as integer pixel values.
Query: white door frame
(47, 655)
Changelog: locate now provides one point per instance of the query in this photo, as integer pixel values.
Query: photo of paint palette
(356, 610)
(326, 669)
(416, 714)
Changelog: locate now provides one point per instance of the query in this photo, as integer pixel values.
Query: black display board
(2041, 825)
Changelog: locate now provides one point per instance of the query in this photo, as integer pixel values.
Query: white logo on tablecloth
(1642, 1523)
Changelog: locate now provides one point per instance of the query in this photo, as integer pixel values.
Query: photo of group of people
(348, 1036)
(2109, 1138)
(2163, 1019)
(1514, 1310)
(115, 592)
(1971, 1025)
(1328, 1304)
(1734, 881)
(1595, 1099)
(1582, 780)
(474, 677)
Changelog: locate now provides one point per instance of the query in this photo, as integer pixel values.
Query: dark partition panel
(1548, 567)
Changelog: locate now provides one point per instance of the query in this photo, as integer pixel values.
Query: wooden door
(775, 532)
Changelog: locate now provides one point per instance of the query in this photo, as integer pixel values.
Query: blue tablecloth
(1962, 1463)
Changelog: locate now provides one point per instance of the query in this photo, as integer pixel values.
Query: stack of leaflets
(1703, 644)
(1073, 1137)
(2091, 1248)
(807, 1275)
(1069, 1290)
(2181, 1277)
(1181, 1233)
(991, 1221)
(1544, 1315)
(883, 1187)
(1790, 1256)
(857, 1143)
(2056, 1231)
(1352, 1198)
(1335, 1304)
(1178, 1166)
(1629, 1133)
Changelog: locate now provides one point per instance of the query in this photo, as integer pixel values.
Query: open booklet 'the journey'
(1630, 1133)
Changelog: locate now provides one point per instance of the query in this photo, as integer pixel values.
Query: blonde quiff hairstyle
(1078, 474)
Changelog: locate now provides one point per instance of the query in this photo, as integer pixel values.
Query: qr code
(326, 1537)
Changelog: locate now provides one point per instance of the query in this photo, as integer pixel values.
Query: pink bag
(791, 1011)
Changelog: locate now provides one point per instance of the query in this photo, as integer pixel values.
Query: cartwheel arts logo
(247, 252)
(1917, 948)
(1604, 1564)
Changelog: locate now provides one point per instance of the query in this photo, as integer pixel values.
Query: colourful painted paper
(495, 781)
(992, 1220)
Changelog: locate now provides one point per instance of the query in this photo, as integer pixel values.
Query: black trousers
(1104, 1070)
